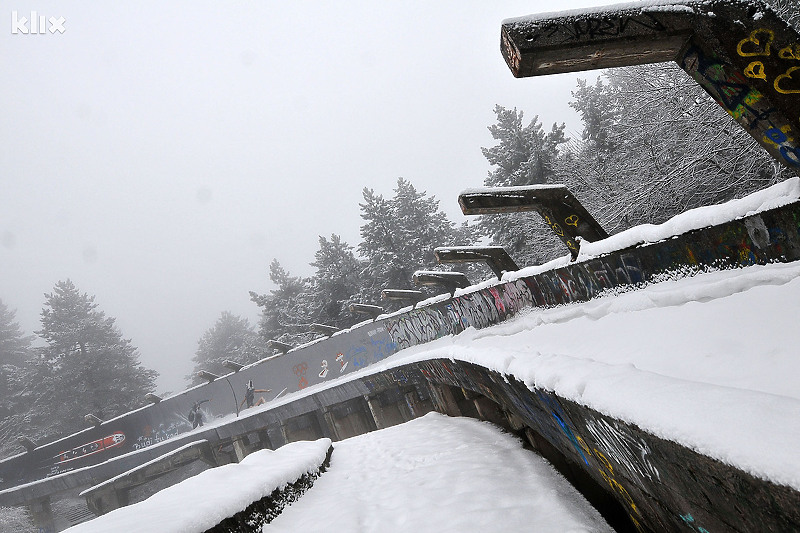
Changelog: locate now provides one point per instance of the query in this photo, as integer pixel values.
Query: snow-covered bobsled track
(668, 413)
(645, 469)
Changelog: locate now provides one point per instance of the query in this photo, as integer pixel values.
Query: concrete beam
(739, 51)
(495, 257)
(559, 208)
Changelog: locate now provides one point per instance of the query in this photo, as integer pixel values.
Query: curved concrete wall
(767, 237)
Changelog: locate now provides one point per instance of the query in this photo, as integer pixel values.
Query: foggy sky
(160, 156)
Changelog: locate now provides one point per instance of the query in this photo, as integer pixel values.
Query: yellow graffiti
(557, 228)
(604, 461)
(762, 45)
(755, 70)
(790, 52)
(583, 445)
(571, 220)
(606, 472)
(786, 76)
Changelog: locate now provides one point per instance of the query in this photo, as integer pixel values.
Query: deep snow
(435, 473)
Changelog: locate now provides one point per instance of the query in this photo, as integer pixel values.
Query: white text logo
(38, 24)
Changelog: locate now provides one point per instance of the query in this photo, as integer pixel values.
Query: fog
(160, 156)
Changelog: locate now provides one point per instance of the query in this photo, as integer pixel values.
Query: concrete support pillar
(488, 410)
(373, 409)
(376, 411)
(514, 421)
(42, 515)
(443, 400)
(283, 433)
(240, 449)
(264, 441)
(330, 421)
(411, 403)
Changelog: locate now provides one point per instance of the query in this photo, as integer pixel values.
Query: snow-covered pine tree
(398, 238)
(336, 282)
(231, 337)
(523, 155)
(285, 310)
(15, 350)
(86, 367)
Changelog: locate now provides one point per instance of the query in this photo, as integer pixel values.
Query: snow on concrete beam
(152, 398)
(373, 311)
(495, 257)
(323, 329)
(278, 345)
(208, 376)
(403, 295)
(26, 443)
(92, 419)
(565, 215)
(450, 280)
(232, 365)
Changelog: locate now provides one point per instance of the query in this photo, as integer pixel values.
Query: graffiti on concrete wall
(589, 27)
(760, 44)
(162, 432)
(744, 102)
(624, 448)
(599, 460)
(418, 326)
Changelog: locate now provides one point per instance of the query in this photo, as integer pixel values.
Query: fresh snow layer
(778, 195)
(710, 362)
(201, 502)
(438, 473)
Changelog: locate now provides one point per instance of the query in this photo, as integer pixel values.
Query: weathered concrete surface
(771, 236)
(739, 51)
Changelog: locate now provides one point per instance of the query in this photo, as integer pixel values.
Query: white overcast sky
(161, 154)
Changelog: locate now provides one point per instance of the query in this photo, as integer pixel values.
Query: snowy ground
(438, 473)
(432, 474)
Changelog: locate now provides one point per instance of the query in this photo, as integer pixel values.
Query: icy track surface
(435, 474)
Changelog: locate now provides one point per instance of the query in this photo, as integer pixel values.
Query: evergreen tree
(399, 236)
(15, 350)
(86, 367)
(523, 155)
(232, 337)
(336, 282)
(285, 310)
(654, 145)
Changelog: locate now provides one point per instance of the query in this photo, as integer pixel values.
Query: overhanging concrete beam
(372, 311)
(278, 345)
(739, 51)
(403, 295)
(565, 215)
(495, 257)
(450, 280)
(323, 329)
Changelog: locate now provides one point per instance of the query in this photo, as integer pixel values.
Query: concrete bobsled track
(654, 482)
(742, 54)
